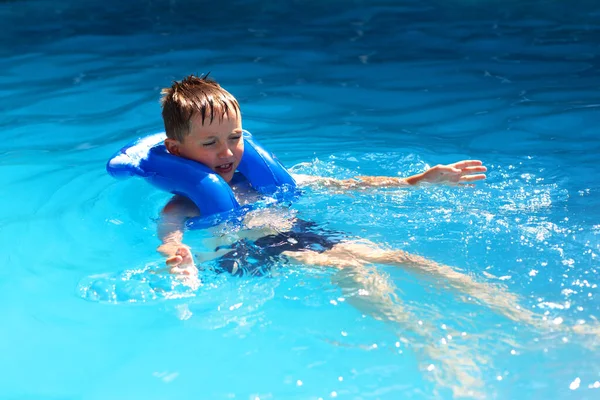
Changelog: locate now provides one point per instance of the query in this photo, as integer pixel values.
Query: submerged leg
(497, 297)
(494, 296)
(448, 362)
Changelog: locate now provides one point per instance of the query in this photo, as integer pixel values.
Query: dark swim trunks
(257, 257)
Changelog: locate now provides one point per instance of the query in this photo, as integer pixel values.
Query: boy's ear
(172, 146)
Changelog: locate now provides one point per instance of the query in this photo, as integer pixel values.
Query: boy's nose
(225, 152)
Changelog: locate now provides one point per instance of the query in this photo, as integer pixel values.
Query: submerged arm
(170, 232)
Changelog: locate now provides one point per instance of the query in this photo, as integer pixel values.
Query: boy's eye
(208, 144)
(237, 137)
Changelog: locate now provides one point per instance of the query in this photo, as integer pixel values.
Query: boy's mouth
(224, 168)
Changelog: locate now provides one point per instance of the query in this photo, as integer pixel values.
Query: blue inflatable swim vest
(148, 158)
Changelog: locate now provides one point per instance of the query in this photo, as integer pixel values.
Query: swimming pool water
(334, 88)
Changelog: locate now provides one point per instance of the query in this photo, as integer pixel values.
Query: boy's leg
(373, 294)
(359, 253)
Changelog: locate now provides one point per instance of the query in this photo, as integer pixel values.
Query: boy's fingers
(187, 270)
(471, 170)
(174, 261)
(472, 178)
(178, 271)
(182, 251)
(183, 256)
(467, 163)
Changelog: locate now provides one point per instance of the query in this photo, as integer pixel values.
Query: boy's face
(218, 145)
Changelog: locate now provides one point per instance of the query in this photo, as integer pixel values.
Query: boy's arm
(465, 171)
(170, 232)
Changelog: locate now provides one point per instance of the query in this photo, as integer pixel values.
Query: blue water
(334, 88)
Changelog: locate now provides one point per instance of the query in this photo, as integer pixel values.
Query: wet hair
(194, 95)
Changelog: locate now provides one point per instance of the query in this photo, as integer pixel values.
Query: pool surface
(338, 89)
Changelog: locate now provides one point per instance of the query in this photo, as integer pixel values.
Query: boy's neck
(237, 178)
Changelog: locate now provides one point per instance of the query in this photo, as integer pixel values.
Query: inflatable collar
(148, 158)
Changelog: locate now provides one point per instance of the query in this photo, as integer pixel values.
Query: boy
(203, 123)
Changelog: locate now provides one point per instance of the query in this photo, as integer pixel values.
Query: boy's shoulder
(181, 205)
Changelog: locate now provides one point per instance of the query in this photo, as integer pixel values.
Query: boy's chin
(226, 177)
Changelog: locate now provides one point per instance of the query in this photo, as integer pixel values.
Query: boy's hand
(182, 260)
(465, 171)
